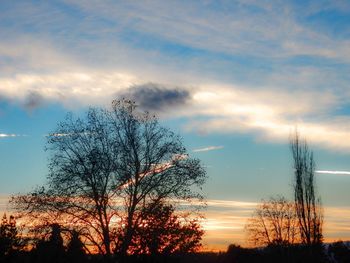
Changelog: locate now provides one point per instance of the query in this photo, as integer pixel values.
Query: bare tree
(154, 167)
(273, 222)
(106, 168)
(308, 207)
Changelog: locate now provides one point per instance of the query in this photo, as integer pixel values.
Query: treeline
(54, 249)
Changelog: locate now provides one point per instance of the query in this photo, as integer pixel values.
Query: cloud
(238, 204)
(333, 172)
(59, 134)
(270, 114)
(266, 113)
(33, 100)
(156, 97)
(4, 135)
(273, 29)
(209, 148)
(246, 66)
(278, 129)
(24, 54)
(72, 89)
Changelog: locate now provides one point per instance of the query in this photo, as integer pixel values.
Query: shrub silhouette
(339, 252)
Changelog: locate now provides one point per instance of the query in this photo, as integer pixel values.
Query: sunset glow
(164, 108)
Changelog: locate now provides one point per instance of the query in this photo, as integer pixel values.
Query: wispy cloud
(209, 148)
(232, 68)
(270, 114)
(4, 135)
(231, 28)
(69, 88)
(58, 134)
(333, 172)
(231, 203)
(267, 113)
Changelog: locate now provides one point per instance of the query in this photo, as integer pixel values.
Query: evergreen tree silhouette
(9, 240)
(51, 250)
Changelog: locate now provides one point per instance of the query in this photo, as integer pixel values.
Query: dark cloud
(33, 100)
(155, 97)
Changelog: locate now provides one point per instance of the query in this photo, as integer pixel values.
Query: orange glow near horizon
(225, 220)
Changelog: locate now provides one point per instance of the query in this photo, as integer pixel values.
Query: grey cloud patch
(155, 97)
(33, 100)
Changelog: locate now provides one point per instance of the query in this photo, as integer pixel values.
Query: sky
(234, 78)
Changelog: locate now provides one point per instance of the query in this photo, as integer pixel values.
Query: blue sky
(234, 78)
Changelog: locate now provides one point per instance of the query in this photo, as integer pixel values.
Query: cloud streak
(209, 148)
(5, 135)
(333, 172)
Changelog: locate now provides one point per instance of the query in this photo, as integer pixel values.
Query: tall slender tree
(308, 206)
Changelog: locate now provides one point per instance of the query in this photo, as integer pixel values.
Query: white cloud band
(4, 135)
(209, 148)
(333, 172)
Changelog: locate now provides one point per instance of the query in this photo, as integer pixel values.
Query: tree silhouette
(308, 207)
(9, 237)
(162, 231)
(339, 252)
(75, 249)
(274, 222)
(105, 169)
(51, 249)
